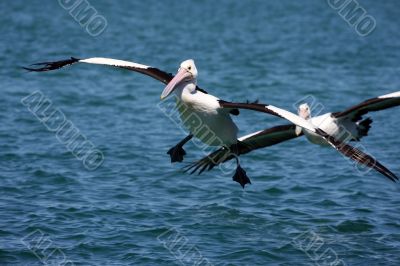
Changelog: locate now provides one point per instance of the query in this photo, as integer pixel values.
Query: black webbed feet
(241, 177)
(176, 153)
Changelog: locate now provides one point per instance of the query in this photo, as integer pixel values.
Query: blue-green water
(120, 214)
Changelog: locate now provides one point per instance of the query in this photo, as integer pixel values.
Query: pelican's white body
(341, 129)
(202, 115)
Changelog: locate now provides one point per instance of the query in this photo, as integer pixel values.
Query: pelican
(343, 126)
(349, 124)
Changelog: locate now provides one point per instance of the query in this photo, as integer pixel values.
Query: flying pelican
(195, 105)
(344, 126)
(347, 125)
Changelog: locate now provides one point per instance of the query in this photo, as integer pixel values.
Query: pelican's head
(304, 111)
(186, 73)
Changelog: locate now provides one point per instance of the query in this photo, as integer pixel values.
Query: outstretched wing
(347, 150)
(153, 72)
(370, 105)
(248, 143)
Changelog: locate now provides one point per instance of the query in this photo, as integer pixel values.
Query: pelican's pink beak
(181, 76)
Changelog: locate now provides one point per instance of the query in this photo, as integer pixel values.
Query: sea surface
(306, 205)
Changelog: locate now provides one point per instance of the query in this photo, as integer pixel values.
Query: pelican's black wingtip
(48, 66)
(30, 69)
(392, 177)
(188, 168)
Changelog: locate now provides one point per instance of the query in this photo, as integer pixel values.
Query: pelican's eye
(190, 68)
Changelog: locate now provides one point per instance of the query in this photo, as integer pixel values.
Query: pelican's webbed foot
(241, 177)
(176, 153)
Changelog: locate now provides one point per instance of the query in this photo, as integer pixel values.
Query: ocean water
(306, 206)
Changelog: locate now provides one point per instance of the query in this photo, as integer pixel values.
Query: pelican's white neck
(186, 87)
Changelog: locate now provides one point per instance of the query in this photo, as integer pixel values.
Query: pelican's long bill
(182, 75)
